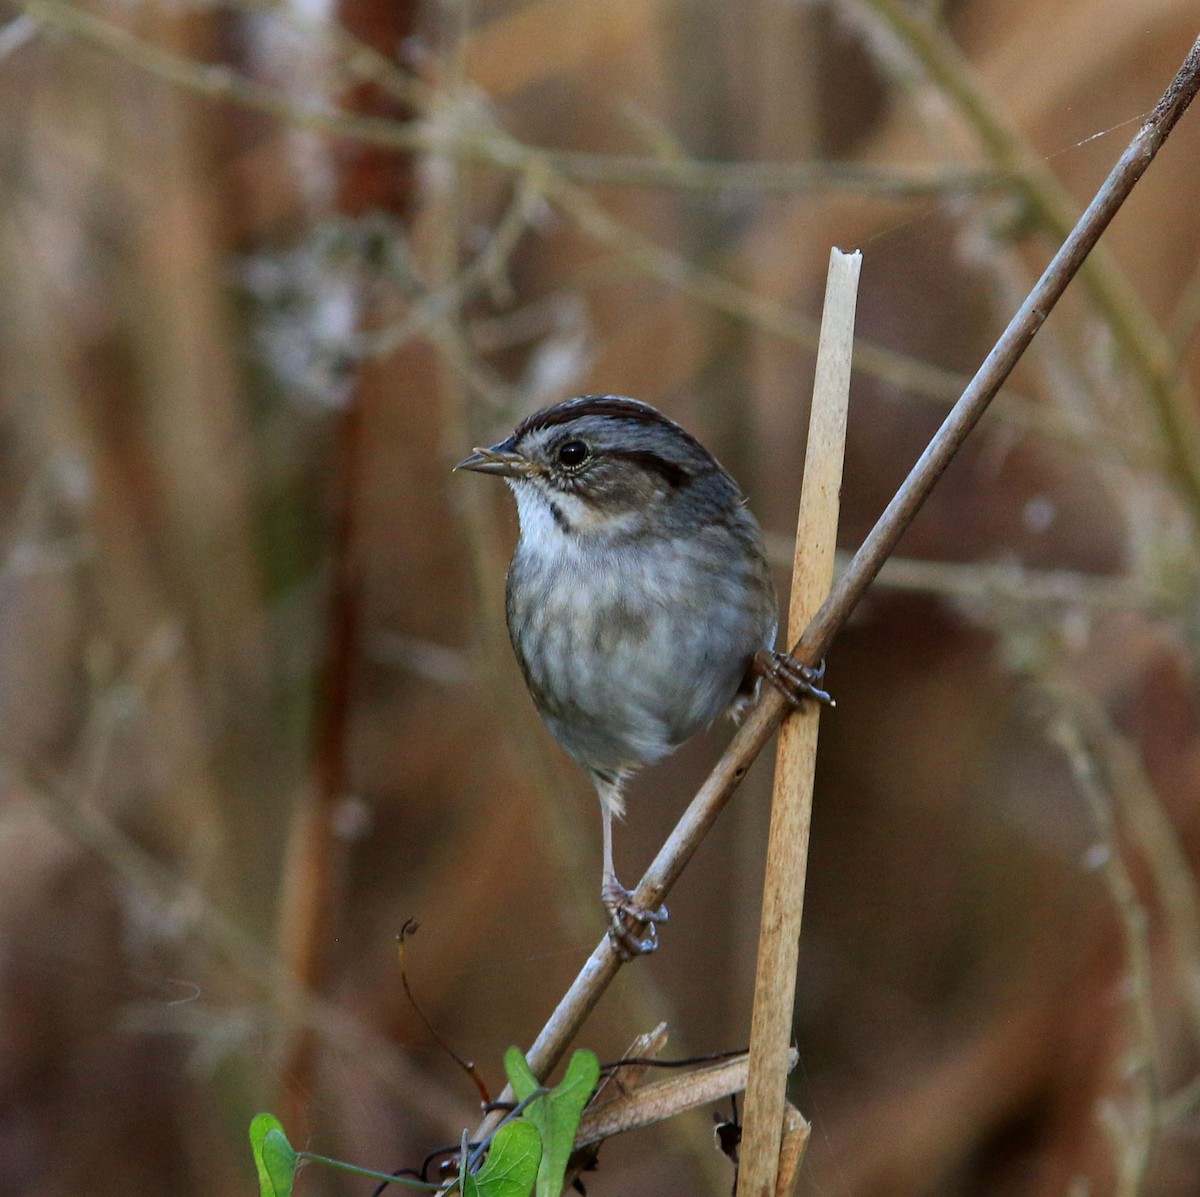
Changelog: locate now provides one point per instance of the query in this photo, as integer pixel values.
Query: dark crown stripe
(592, 405)
(626, 409)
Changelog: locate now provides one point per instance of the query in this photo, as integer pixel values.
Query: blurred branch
(1116, 761)
(1011, 582)
(463, 131)
(221, 82)
(1186, 321)
(1005, 582)
(1183, 1103)
(1148, 349)
(437, 663)
(16, 33)
(312, 885)
(488, 269)
(766, 178)
(1134, 1138)
(481, 143)
(163, 890)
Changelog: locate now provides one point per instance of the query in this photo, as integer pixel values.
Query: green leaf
(520, 1076)
(556, 1114)
(274, 1156)
(512, 1163)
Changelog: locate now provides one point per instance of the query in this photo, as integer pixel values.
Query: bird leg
(793, 679)
(631, 927)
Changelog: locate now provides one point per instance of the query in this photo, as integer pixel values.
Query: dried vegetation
(265, 275)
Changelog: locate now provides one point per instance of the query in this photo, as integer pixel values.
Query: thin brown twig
(603, 964)
(410, 928)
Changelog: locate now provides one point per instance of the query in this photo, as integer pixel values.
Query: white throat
(576, 522)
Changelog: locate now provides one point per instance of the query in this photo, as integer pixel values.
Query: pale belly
(625, 666)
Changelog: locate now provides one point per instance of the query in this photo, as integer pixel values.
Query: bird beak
(500, 459)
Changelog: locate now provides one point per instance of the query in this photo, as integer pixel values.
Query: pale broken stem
(795, 761)
(626, 1076)
(664, 1099)
(614, 1088)
(791, 1150)
(603, 964)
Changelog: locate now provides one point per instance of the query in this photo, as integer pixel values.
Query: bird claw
(793, 679)
(631, 928)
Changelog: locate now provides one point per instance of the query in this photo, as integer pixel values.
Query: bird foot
(793, 679)
(631, 927)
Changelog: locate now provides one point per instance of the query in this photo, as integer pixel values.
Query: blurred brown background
(267, 272)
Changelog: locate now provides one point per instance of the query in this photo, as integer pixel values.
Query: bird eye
(572, 453)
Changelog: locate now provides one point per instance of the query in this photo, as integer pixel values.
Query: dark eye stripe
(670, 472)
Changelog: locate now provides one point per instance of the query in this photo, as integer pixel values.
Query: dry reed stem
(796, 756)
(603, 964)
